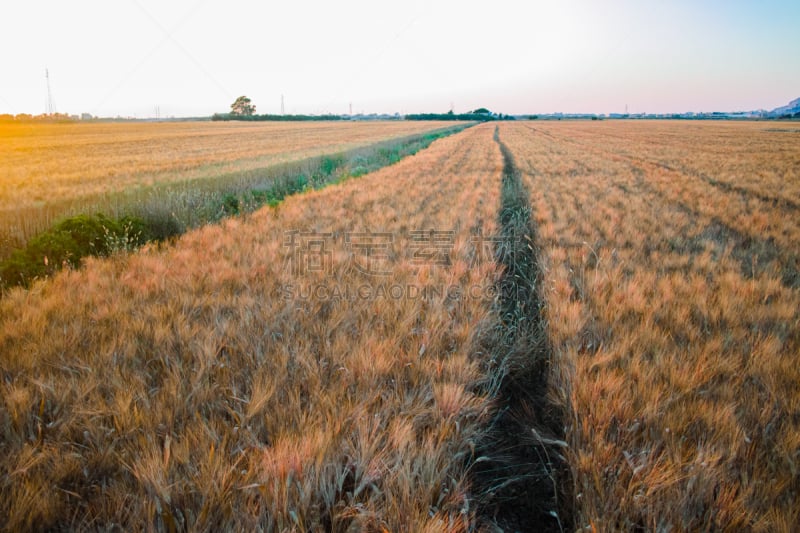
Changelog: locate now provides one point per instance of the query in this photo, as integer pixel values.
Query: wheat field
(52, 171)
(181, 388)
(41, 163)
(338, 362)
(673, 310)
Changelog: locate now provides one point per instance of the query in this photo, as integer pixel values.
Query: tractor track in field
(521, 472)
(776, 202)
(753, 251)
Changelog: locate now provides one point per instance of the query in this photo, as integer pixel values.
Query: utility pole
(51, 106)
(282, 108)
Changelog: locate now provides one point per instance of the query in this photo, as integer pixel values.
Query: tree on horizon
(243, 106)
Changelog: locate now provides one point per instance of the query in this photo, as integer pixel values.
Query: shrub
(230, 204)
(161, 224)
(70, 241)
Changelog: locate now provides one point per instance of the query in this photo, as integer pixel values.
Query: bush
(160, 224)
(70, 241)
(230, 204)
(331, 163)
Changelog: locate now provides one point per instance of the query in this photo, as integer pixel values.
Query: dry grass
(675, 363)
(180, 388)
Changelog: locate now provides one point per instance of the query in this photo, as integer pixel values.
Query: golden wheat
(675, 360)
(200, 386)
(213, 384)
(41, 163)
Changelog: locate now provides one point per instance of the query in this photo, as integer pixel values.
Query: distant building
(86, 116)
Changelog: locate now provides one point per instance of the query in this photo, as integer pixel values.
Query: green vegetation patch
(68, 242)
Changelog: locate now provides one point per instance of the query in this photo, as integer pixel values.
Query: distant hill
(791, 109)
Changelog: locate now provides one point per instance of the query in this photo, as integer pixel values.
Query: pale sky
(194, 57)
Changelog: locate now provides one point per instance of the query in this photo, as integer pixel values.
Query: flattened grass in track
(520, 475)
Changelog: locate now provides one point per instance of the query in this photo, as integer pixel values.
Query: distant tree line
(243, 109)
(450, 116)
(262, 118)
(24, 117)
(479, 115)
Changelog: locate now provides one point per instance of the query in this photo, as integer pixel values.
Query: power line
(167, 36)
(369, 63)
